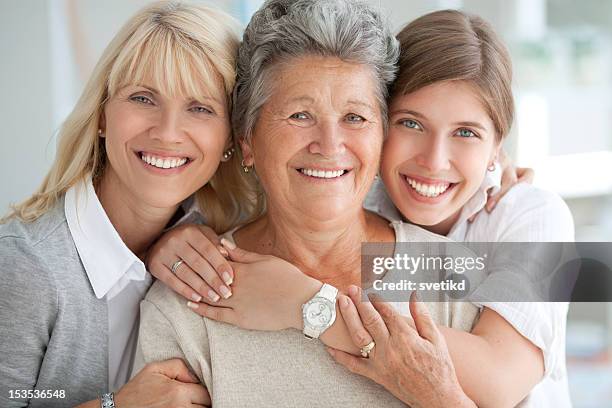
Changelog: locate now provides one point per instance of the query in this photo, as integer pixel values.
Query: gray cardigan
(53, 329)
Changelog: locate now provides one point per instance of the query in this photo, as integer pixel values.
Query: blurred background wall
(562, 54)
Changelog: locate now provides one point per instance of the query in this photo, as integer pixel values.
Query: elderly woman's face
(316, 145)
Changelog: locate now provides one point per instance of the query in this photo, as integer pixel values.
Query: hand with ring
(191, 261)
(406, 355)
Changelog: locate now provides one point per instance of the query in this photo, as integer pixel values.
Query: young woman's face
(441, 141)
(163, 149)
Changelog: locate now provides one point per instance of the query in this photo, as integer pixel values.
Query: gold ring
(175, 266)
(365, 350)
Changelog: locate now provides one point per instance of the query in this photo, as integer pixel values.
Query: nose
(328, 140)
(168, 128)
(434, 154)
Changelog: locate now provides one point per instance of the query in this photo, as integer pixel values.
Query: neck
(138, 224)
(327, 250)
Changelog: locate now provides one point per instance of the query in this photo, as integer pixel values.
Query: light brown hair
(450, 45)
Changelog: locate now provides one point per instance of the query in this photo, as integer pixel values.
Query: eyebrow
(409, 112)
(193, 99)
(361, 103)
(303, 98)
(421, 116)
(471, 124)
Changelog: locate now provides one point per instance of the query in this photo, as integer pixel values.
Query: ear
(247, 152)
(102, 125)
(495, 153)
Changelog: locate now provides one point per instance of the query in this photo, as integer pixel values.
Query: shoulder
(161, 300)
(528, 213)
(32, 234)
(29, 251)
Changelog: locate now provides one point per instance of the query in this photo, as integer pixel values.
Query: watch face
(318, 313)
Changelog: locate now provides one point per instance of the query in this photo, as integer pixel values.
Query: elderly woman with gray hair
(309, 116)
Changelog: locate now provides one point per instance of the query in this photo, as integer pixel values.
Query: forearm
(490, 377)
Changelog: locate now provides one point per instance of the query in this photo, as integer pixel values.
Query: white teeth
(163, 163)
(428, 190)
(329, 174)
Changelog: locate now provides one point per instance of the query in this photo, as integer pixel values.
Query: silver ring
(175, 266)
(365, 350)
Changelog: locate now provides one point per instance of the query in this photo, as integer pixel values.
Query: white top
(524, 214)
(114, 272)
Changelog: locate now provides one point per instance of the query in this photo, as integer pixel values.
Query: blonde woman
(148, 132)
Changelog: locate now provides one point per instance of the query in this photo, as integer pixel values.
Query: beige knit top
(245, 368)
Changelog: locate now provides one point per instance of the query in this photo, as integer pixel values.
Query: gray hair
(281, 30)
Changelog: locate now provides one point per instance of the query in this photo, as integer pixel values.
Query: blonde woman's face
(440, 143)
(162, 149)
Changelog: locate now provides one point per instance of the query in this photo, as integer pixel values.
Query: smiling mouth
(163, 162)
(323, 174)
(428, 189)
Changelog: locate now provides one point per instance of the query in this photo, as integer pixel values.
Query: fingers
(370, 318)
(211, 257)
(389, 315)
(358, 333)
(238, 254)
(354, 364)
(188, 276)
(423, 321)
(198, 264)
(197, 394)
(217, 313)
(175, 369)
(525, 175)
(163, 273)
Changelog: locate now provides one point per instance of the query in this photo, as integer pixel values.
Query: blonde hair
(183, 49)
(450, 45)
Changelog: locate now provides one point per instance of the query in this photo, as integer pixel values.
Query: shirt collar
(104, 255)
(490, 185)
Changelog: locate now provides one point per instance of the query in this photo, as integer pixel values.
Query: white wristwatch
(319, 313)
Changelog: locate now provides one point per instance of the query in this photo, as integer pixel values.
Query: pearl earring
(228, 153)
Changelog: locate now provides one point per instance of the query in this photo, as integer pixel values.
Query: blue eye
(200, 109)
(466, 133)
(142, 99)
(411, 124)
(353, 118)
(299, 116)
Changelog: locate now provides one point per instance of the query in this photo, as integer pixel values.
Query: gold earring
(228, 153)
(245, 168)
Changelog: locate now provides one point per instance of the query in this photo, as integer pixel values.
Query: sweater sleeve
(168, 329)
(28, 311)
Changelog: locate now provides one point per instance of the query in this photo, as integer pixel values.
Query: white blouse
(525, 214)
(114, 272)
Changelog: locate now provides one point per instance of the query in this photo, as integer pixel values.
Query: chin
(326, 210)
(164, 199)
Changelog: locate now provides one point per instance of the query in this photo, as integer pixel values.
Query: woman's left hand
(410, 357)
(511, 176)
(268, 293)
